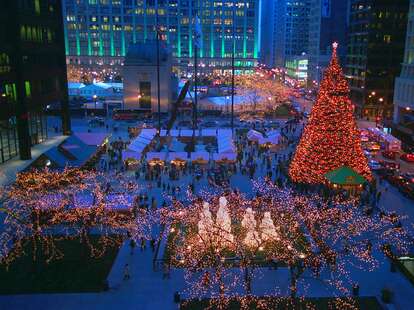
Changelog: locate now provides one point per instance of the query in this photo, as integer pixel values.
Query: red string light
(331, 138)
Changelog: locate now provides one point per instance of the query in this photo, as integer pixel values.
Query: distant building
(140, 78)
(32, 73)
(377, 33)
(297, 70)
(102, 90)
(98, 33)
(267, 29)
(328, 23)
(291, 29)
(404, 87)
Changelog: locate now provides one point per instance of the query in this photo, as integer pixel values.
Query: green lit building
(98, 32)
(297, 69)
(32, 73)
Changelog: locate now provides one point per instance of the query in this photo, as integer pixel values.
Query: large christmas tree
(331, 138)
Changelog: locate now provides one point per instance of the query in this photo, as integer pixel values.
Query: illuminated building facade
(98, 32)
(404, 87)
(32, 74)
(376, 39)
(297, 69)
(291, 29)
(328, 23)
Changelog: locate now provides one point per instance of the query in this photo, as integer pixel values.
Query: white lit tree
(252, 238)
(206, 224)
(267, 227)
(223, 222)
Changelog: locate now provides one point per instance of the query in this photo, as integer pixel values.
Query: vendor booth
(178, 159)
(345, 178)
(155, 158)
(200, 158)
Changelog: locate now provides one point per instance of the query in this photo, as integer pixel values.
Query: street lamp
(227, 104)
(94, 99)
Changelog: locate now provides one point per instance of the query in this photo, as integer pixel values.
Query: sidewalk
(9, 169)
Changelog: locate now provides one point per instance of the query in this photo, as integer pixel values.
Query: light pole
(227, 104)
(158, 73)
(232, 68)
(94, 100)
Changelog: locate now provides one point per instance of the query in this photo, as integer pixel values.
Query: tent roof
(345, 176)
(254, 135)
(222, 156)
(200, 155)
(186, 132)
(91, 138)
(154, 155)
(144, 138)
(71, 152)
(208, 132)
(129, 154)
(177, 155)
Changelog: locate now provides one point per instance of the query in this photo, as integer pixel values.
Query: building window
(27, 89)
(145, 95)
(37, 6)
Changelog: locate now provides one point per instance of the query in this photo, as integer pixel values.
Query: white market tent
(224, 156)
(200, 156)
(142, 141)
(177, 156)
(208, 132)
(130, 155)
(186, 133)
(156, 155)
(273, 137)
(174, 133)
(253, 135)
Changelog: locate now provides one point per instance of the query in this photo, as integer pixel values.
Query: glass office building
(32, 73)
(98, 32)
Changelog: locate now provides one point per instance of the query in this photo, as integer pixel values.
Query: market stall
(345, 178)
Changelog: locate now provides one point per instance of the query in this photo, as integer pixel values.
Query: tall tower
(291, 29)
(404, 88)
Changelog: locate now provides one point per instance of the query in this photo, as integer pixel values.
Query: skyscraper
(375, 52)
(328, 23)
(32, 73)
(98, 32)
(404, 87)
(291, 32)
(267, 28)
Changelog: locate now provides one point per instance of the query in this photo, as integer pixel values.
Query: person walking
(127, 275)
(132, 245)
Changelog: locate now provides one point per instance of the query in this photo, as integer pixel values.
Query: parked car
(390, 164)
(395, 180)
(385, 172)
(374, 165)
(407, 157)
(409, 177)
(407, 189)
(390, 154)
